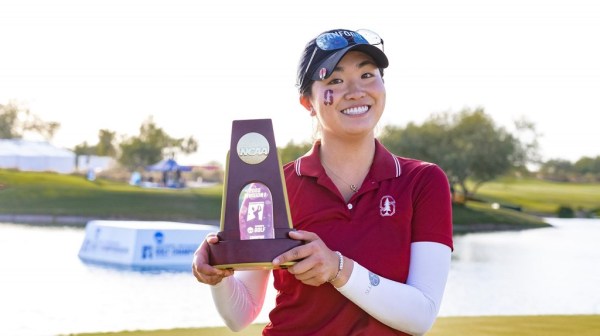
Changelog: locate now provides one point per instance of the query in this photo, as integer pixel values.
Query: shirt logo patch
(387, 206)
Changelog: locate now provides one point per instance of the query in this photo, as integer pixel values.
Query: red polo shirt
(400, 201)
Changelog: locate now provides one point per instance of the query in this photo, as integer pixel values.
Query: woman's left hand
(315, 262)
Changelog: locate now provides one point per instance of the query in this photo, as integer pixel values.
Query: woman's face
(350, 102)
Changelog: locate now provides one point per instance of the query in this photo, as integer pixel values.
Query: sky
(195, 66)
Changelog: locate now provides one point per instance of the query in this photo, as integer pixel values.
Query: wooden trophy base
(250, 254)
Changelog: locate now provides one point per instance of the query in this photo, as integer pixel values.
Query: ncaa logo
(253, 148)
(387, 206)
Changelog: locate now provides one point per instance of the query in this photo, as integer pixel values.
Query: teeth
(356, 110)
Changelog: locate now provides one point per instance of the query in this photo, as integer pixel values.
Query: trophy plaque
(255, 214)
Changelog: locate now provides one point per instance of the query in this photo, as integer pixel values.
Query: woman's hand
(315, 262)
(204, 272)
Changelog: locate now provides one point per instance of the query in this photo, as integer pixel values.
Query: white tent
(95, 163)
(35, 156)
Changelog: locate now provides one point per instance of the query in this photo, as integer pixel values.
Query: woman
(377, 227)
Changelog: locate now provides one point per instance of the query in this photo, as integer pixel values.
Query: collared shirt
(400, 201)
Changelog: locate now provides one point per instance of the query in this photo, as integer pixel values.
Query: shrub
(565, 212)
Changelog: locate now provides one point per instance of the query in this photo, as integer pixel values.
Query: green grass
(543, 197)
(476, 216)
(55, 194)
(547, 325)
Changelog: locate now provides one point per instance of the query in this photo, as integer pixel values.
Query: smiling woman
(349, 188)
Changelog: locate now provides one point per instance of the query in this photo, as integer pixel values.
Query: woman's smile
(356, 110)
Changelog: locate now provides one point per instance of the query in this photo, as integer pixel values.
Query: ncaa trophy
(255, 214)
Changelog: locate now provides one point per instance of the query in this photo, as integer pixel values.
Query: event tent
(30, 155)
(168, 165)
(170, 171)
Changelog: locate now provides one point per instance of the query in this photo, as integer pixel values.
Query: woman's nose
(355, 91)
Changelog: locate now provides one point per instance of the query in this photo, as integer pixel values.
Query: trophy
(255, 214)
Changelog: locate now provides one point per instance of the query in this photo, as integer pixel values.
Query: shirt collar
(385, 164)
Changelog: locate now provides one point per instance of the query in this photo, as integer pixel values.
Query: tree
(468, 146)
(15, 123)
(586, 169)
(106, 143)
(105, 146)
(292, 151)
(84, 149)
(527, 150)
(152, 145)
(588, 165)
(557, 170)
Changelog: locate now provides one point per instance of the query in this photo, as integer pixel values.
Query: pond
(46, 290)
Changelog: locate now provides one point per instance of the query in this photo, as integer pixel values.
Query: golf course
(55, 195)
(506, 204)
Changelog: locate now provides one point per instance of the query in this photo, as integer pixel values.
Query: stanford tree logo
(387, 206)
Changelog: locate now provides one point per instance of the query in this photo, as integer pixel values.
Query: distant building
(30, 155)
(96, 163)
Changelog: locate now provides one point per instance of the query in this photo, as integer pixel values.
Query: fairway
(539, 196)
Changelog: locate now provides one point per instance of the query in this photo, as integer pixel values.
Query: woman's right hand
(204, 272)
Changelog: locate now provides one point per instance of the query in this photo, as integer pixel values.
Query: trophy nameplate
(255, 214)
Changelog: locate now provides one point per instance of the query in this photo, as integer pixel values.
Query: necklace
(352, 186)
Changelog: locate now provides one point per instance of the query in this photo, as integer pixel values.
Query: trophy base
(250, 254)
(254, 266)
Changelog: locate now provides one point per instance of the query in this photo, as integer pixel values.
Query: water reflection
(542, 271)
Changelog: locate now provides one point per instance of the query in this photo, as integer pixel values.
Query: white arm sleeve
(410, 307)
(239, 298)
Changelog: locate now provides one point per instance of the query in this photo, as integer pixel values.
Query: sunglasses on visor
(338, 40)
(335, 41)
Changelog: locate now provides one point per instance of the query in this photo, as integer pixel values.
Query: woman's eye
(367, 75)
(335, 81)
